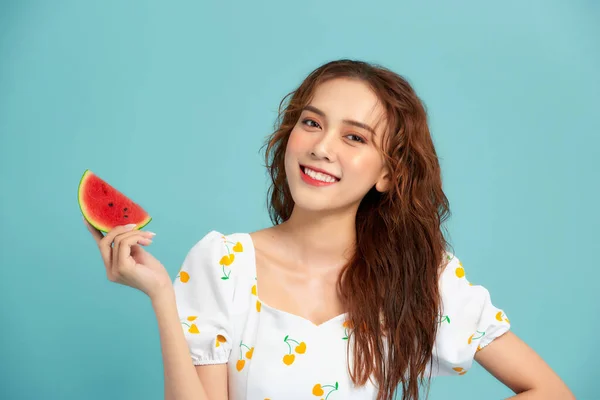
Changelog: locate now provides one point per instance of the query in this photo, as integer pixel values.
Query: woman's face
(333, 155)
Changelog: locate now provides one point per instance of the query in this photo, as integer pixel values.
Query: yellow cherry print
(192, 328)
(254, 292)
(473, 337)
(347, 325)
(240, 364)
(318, 389)
(288, 359)
(238, 248)
(220, 339)
(461, 371)
(227, 260)
(249, 353)
(300, 348)
(501, 317)
(184, 276)
(460, 271)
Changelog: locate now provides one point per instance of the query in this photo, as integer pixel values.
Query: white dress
(272, 354)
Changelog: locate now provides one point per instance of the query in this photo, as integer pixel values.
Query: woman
(351, 294)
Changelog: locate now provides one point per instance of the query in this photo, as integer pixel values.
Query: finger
(120, 238)
(106, 242)
(117, 259)
(96, 234)
(122, 249)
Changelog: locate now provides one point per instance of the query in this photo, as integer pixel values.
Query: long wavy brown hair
(390, 286)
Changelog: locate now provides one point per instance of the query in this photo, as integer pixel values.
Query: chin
(306, 199)
(314, 206)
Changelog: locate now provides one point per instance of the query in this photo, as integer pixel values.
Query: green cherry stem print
(300, 348)
(473, 337)
(346, 325)
(248, 353)
(241, 362)
(237, 246)
(225, 274)
(318, 389)
(192, 327)
(228, 259)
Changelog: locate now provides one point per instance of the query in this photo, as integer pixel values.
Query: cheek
(293, 151)
(296, 142)
(364, 165)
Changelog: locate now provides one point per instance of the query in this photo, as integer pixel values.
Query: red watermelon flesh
(104, 207)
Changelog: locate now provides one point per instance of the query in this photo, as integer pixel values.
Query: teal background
(171, 101)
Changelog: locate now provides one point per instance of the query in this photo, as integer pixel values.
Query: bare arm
(183, 380)
(520, 368)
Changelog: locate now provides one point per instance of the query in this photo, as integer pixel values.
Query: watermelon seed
(125, 209)
(110, 204)
(125, 216)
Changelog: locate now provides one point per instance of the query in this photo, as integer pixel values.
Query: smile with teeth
(319, 176)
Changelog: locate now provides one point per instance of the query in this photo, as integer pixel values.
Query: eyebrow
(347, 121)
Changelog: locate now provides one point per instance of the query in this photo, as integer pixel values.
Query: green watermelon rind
(93, 223)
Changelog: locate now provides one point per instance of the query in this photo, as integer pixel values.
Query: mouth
(317, 177)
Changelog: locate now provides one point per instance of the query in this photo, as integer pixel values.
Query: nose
(323, 148)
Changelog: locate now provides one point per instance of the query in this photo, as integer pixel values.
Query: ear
(383, 183)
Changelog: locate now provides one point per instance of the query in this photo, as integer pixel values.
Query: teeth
(319, 176)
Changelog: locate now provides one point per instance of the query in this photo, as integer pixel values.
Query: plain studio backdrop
(171, 101)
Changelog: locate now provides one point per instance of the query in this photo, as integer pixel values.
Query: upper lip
(320, 170)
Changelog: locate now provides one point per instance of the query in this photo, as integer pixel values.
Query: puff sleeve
(204, 293)
(468, 322)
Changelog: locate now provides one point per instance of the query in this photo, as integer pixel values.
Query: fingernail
(150, 233)
(129, 226)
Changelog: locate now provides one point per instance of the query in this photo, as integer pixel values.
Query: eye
(356, 138)
(307, 120)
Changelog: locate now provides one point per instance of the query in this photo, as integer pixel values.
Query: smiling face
(333, 155)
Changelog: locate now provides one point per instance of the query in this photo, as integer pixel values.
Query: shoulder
(205, 289)
(216, 254)
(452, 274)
(458, 294)
(264, 236)
(216, 242)
(455, 286)
(468, 319)
(267, 242)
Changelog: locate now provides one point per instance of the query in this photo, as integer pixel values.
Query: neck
(320, 240)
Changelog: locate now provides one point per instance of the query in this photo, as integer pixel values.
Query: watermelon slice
(104, 207)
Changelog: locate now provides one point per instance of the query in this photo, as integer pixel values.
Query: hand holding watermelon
(105, 209)
(127, 263)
